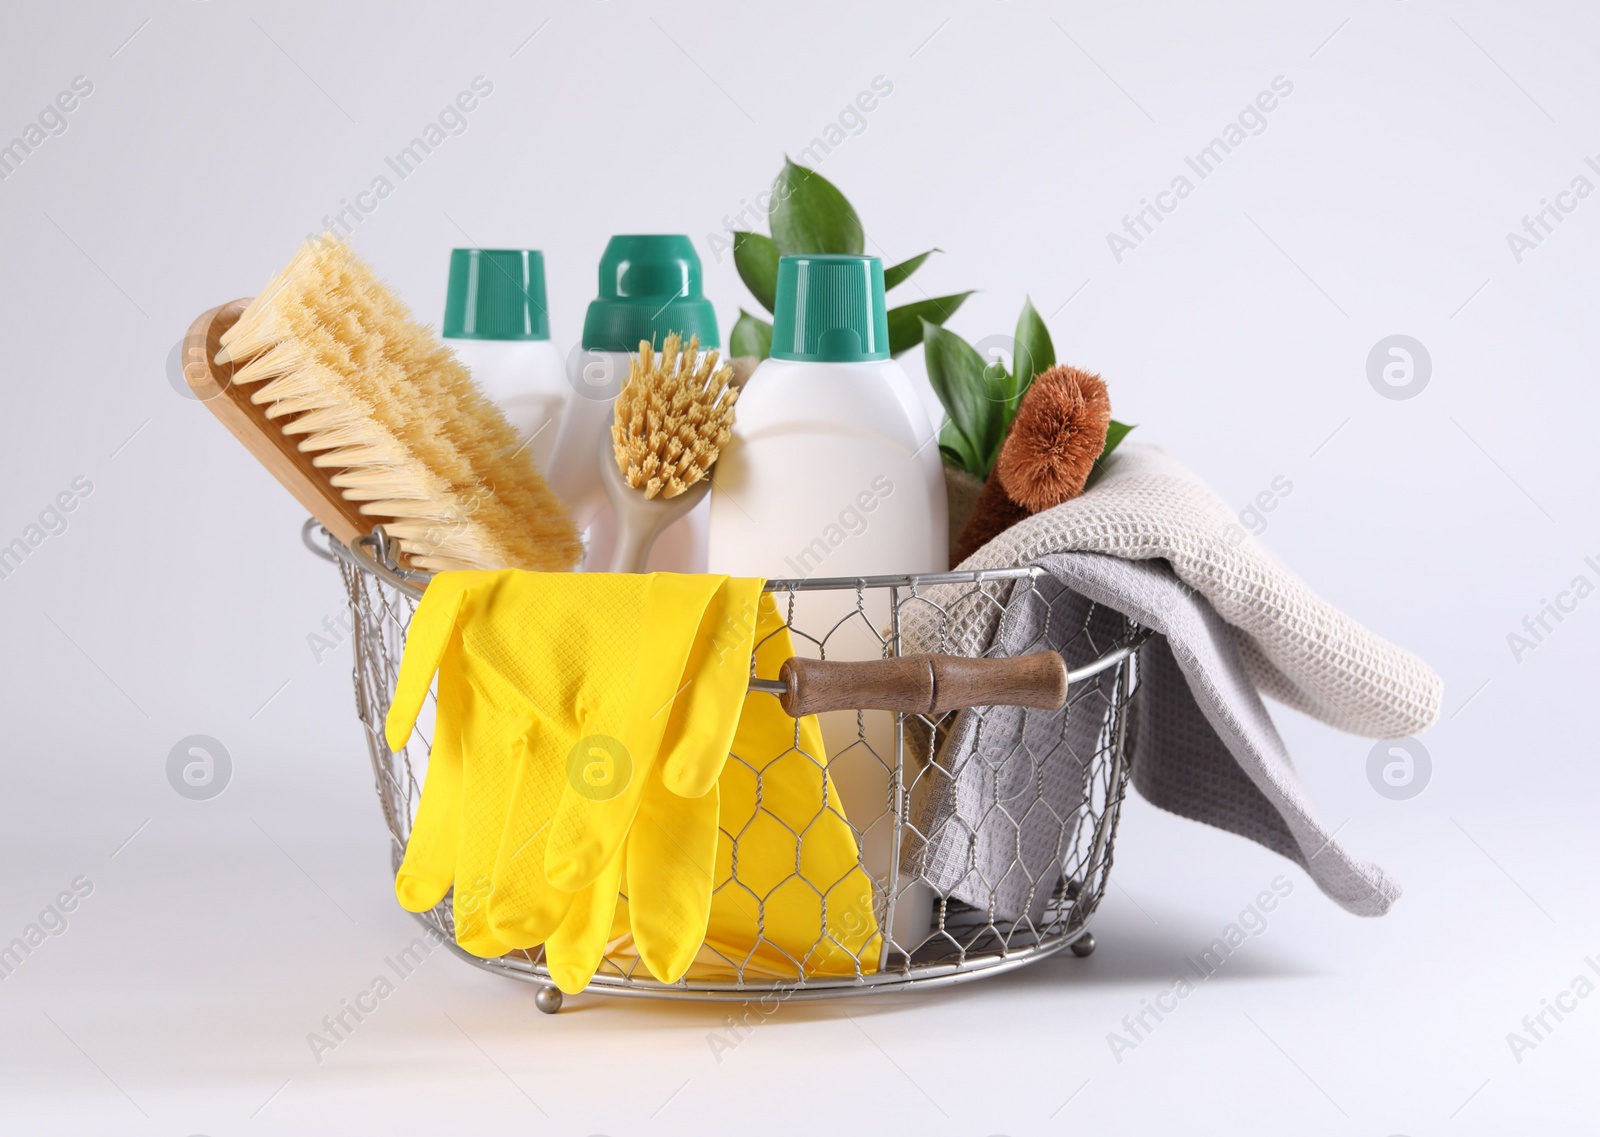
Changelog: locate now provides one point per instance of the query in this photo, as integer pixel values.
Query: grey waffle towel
(1001, 801)
(1202, 742)
(1296, 647)
(1151, 541)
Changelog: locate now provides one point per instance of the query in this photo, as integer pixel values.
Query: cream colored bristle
(672, 417)
(339, 364)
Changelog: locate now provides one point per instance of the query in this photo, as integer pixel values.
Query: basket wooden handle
(923, 684)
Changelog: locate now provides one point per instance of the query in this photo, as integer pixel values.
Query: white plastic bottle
(649, 287)
(496, 321)
(833, 471)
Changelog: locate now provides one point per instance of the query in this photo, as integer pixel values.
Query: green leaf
(750, 336)
(810, 215)
(956, 372)
(905, 322)
(756, 258)
(1115, 433)
(952, 456)
(896, 274)
(1034, 352)
(957, 451)
(999, 387)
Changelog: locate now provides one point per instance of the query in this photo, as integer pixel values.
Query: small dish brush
(1047, 456)
(368, 419)
(671, 420)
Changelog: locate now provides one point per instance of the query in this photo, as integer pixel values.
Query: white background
(179, 600)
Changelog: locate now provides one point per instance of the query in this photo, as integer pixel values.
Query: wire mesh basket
(976, 865)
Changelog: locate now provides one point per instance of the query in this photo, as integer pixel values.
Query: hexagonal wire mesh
(975, 865)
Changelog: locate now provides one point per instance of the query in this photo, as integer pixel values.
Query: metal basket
(961, 940)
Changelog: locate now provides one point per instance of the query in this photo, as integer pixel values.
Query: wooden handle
(923, 684)
(311, 485)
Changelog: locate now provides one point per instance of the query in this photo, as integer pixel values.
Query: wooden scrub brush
(367, 419)
(672, 419)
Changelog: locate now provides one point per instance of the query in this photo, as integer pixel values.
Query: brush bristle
(341, 364)
(1058, 433)
(672, 417)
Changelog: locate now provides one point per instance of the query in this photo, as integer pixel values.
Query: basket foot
(1083, 946)
(548, 999)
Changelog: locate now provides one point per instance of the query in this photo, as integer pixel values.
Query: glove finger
(619, 918)
(672, 851)
(472, 925)
(429, 866)
(525, 908)
(705, 714)
(432, 628)
(574, 950)
(619, 740)
(492, 742)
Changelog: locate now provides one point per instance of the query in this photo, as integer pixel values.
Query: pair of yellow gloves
(583, 722)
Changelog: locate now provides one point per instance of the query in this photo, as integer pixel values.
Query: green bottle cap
(496, 294)
(830, 309)
(649, 287)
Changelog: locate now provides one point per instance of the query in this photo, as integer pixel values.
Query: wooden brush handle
(923, 684)
(311, 486)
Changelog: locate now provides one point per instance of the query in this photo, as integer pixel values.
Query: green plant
(981, 397)
(810, 215)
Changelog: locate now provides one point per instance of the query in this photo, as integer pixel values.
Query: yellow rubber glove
(574, 950)
(602, 658)
(670, 839)
(672, 847)
(546, 748)
(533, 663)
(800, 904)
(477, 744)
(592, 820)
(799, 867)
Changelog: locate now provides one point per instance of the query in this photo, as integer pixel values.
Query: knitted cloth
(1007, 791)
(1008, 786)
(1297, 647)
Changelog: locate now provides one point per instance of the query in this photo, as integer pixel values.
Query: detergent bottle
(833, 470)
(496, 321)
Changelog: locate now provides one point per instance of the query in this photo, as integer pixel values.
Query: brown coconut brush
(1046, 458)
(367, 418)
(671, 421)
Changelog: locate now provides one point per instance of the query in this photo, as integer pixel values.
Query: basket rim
(375, 554)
